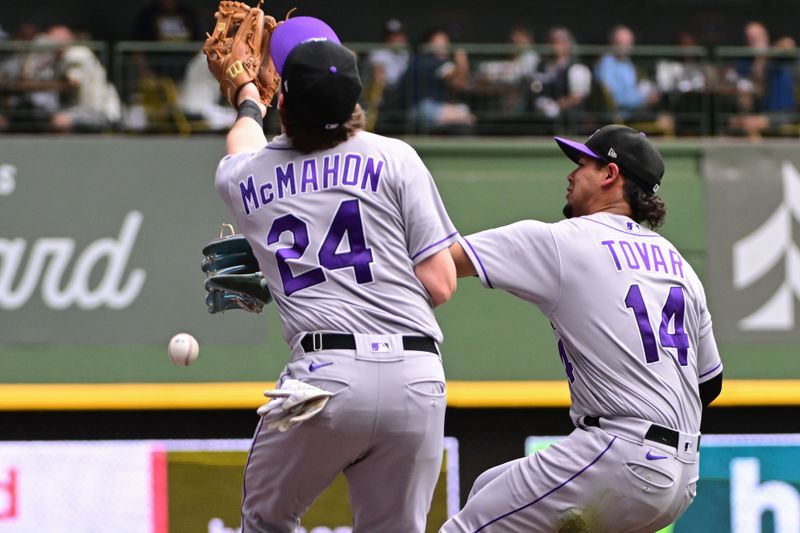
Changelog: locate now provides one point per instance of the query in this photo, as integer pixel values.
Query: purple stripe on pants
(551, 491)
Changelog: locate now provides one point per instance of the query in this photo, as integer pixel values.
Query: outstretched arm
(464, 266)
(438, 276)
(247, 134)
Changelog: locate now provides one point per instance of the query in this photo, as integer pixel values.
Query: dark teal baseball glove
(234, 280)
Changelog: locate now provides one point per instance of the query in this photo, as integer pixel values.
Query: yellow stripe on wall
(245, 395)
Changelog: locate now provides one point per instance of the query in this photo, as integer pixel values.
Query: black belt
(656, 433)
(314, 342)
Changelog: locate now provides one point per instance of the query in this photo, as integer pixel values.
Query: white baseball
(183, 349)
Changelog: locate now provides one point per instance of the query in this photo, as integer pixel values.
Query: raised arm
(247, 134)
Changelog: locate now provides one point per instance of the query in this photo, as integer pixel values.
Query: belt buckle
(316, 341)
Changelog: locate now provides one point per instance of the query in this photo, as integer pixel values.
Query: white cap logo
(612, 153)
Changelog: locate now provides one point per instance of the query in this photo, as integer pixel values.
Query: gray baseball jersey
(634, 334)
(629, 314)
(337, 234)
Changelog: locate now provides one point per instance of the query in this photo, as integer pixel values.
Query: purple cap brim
(575, 150)
(295, 31)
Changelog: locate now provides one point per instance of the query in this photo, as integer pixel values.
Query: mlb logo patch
(632, 226)
(380, 347)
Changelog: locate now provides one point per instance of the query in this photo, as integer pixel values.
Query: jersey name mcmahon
(629, 314)
(337, 233)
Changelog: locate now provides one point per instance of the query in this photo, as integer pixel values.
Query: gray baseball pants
(383, 427)
(596, 480)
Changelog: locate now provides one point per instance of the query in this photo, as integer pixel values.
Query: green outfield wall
(100, 242)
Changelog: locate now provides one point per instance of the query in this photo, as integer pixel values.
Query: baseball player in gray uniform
(634, 334)
(351, 234)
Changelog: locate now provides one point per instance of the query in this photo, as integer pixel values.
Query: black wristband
(250, 109)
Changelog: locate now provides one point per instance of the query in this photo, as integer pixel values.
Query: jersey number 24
(346, 221)
(674, 308)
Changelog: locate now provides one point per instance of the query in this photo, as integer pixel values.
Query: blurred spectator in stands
(200, 96)
(89, 102)
(682, 74)
(28, 83)
(634, 98)
(520, 66)
(385, 93)
(765, 84)
(390, 63)
(511, 77)
(165, 21)
(618, 73)
(438, 77)
(3, 34)
(562, 83)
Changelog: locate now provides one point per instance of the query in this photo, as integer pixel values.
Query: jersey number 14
(673, 311)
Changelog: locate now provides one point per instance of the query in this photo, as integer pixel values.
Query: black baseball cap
(320, 83)
(631, 150)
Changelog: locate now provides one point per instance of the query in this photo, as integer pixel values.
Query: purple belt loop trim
(710, 371)
(551, 491)
(244, 474)
(432, 245)
(480, 263)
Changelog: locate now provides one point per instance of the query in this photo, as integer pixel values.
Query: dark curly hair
(306, 139)
(646, 207)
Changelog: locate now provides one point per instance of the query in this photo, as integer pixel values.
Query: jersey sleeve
(521, 258)
(231, 169)
(428, 228)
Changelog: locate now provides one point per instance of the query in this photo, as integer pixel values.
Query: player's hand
(292, 404)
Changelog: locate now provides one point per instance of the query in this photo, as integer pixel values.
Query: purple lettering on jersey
(352, 169)
(330, 169)
(610, 246)
(634, 301)
(677, 263)
(248, 193)
(658, 259)
(630, 256)
(372, 174)
(643, 253)
(299, 231)
(567, 365)
(309, 175)
(347, 221)
(265, 199)
(285, 178)
(674, 311)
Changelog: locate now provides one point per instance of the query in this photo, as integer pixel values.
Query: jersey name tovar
(650, 257)
(312, 175)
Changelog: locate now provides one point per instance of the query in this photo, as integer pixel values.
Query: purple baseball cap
(295, 31)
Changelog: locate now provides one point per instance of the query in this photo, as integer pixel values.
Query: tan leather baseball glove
(238, 50)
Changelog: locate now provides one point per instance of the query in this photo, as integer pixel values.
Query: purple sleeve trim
(551, 491)
(704, 374)
(480, 263)
(437, 243)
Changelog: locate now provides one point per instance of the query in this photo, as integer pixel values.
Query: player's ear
(612, 173)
